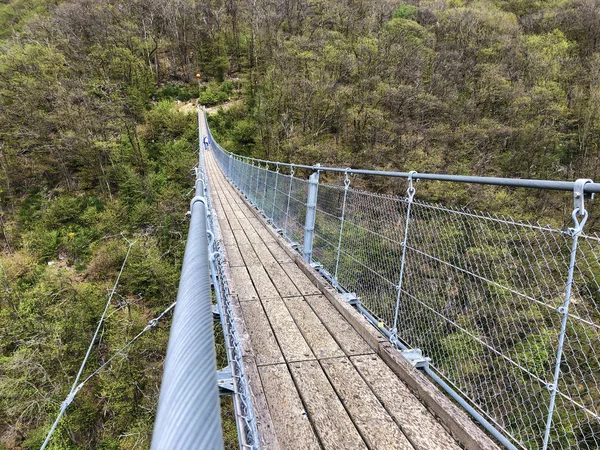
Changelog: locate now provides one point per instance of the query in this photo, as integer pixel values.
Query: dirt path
(190, 107)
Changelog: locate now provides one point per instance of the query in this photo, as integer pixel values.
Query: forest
(96, 151)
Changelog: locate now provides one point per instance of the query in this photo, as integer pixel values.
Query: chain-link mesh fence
(483, 296)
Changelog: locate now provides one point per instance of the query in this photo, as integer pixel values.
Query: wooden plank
(241, 238)
(266, 423)
(249, 256)
(233, 256)
(228, 237)
(224, 225)
(264, 345)
(320, 341)
(233, 223)
(239, 215)
(376, 426)
(266, 429)
(304, 285)
(278, 253)
(262, 282)
(240, 284)
(346, 336)
(290, 421)
(330, 420)
(292, 343)
(282, 282)
(264, 254)
(253, 236)
(417, 423)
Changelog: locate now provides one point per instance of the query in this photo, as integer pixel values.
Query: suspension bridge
(360, 320)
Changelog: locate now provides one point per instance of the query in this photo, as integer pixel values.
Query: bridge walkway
(315, 381)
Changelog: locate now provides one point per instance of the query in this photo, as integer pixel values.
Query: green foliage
(214, 93)
(182, 93)
(405, 12)
(15, 14)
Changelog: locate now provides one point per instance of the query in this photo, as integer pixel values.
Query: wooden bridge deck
(315, 381)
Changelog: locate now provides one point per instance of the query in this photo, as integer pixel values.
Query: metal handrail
(188, 415)
(591, 188)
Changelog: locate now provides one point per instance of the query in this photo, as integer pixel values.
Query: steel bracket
(317, 266)
(225, 381)
(216, 313)
(351, 298)
(579, 194)
(295, 245)
(416, 358)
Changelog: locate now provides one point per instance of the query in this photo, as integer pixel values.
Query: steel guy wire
(564, 310)
(69, 398)
(410, 194)
(339, 246)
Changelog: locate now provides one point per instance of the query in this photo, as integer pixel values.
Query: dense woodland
(93, 149)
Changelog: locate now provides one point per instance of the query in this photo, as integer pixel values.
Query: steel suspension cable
(65, 404)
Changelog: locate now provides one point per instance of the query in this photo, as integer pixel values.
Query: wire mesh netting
(482, 296)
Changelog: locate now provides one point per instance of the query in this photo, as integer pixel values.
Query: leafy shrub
(405, 12)
(182, 93)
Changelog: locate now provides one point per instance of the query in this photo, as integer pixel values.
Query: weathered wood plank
(278, 253)
(282, 282)
(292, 343)
(253, 236)
(224, 225)
(233, 223)
(227, 236)
(417, 423)
(262, 282)
(264, 254)
(267, 424)
(249, 256)
(346, 336)
(240, 284)
(233, 256)
(376, 426)
(304, 285)
(330, 420)
(264, 345)
(320, 341)
(290, 421)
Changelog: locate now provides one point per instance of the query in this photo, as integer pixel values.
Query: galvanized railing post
(248, 178)
(339, 247)
(229, 164)
(410, 192)
(289, 196)
(256, 197)
(264, 196)
(311, 215)
(275, 193)
(578, 211)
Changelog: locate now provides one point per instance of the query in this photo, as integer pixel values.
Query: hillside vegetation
(92, 149)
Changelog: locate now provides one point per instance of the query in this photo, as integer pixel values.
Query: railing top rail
(590, 188)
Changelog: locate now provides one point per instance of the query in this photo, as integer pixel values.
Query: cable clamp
(346, 178)
(197, 198)
(579, 194)
(411, 190)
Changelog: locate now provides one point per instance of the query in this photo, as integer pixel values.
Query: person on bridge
(205, 141)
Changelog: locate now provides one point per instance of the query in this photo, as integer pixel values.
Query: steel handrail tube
(188, 415)
(589, 188)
